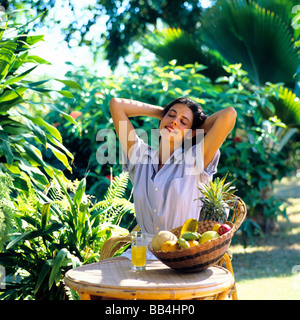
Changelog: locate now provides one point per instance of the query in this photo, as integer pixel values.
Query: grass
(270, 269)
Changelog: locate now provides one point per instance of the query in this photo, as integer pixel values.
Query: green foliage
(23, 135)
(129, 25)
(257, 155)
(287, 107)
(6, 208)
(257, 34)
(171, 43)
(126, 21)
(56, 230)
(243, 32)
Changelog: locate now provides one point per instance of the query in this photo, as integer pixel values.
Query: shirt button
(154, 210)
(156, 189)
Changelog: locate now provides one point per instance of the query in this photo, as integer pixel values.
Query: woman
(165, 188)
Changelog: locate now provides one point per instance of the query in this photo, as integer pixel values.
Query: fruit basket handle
(239, 211)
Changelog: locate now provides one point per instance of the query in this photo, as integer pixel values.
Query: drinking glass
(138, 250)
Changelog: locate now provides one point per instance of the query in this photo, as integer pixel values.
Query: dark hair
(198, 115)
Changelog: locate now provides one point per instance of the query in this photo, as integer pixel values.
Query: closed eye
(172, 116)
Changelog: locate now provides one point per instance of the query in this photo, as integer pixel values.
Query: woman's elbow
(112, 102)
(231, 111)
(231, 115)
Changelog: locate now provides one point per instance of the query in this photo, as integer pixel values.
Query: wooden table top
(116, 279)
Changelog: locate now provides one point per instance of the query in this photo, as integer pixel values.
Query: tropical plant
(215, 198)
(23, 135)
(6, 208)
(229, 33)
(257, 34)
(170, 43)
(56, 230)
(244, 32)
(257, 154)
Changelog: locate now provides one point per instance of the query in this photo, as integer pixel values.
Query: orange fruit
(193, 243)
(169, 246)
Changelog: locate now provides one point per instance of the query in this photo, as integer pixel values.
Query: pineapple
(215, 198)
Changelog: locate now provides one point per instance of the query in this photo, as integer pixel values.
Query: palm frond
(174, 43)
(287, 107)
(283, 9)
(243, 32)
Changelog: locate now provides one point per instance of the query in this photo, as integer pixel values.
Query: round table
(115, 279)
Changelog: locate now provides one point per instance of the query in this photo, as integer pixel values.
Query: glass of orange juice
(138, 250)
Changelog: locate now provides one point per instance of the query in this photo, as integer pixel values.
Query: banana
(183, 243)
(190, 225)
(191, 236)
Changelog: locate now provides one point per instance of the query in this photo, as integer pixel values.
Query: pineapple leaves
(215, 199)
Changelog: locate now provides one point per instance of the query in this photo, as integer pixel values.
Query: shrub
(6, 208)
(55, 231)
(24, 136)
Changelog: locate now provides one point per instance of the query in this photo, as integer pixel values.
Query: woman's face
(178, 119)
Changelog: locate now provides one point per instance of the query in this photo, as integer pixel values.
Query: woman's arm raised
(121, 110)
(217, 127)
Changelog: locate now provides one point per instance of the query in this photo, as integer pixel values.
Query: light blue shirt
(165, 199)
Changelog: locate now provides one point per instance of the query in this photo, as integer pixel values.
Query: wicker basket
(199, 257)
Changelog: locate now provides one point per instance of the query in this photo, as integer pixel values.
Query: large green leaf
(45, 214)
(48, 230)
(246, 33)
(34, 154)
(56, 265)
(60, 145)
(34, 173)
(19, 77)
(5, 147)
(42, 275)
(7, 105)
(70, 84)
(80, 192)
(7, 56)
(37, 59)
(10, 94)
(37, 131)
(55, 134)
(60, 156)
